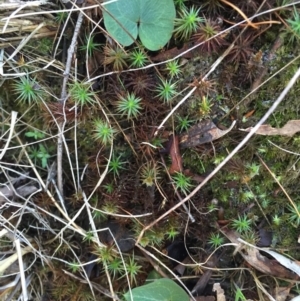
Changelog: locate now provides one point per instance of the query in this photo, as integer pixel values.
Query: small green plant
(239, 296)
(173, 68)
(156, 141)
(253, 169)
(129, 105)
(205, 107)
(149, 174)
(98, 216)
(182, 182)
(295, 26)
(33, 154)
(110, 207)
(212, 207)
(28, 90)
(88, 237)
(183, 123)
(115, 56)
(82, 94)
(109, 187)
(208, 38)
(40, 154)
(43, 46)
(251, 237)
(74, 267)
(104, 132)
(115, 267)
(276, 220)
(171, 233)
(265, 203)
(105, 254)
(225, 196)
(294, 215)
(35, 135)
(154, 236)
(246, 196)
(218, 159)
(242, 224)
(180, 4)
(137, 228)
(115, 165)
(138, 58)
(187, 23)
(216, 240)
(144, 241)
(90, 46)
(219, 98)
(132, 269)
(151, 20)
(43, 155)
(151, 237)
(61, 17)
(166, 90)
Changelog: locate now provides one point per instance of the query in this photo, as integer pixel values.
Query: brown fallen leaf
(176, 165)
(268, 266)
(203, 132)
(260, 262)
(289, 129)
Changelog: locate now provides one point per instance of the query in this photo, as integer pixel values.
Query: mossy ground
(244, 187)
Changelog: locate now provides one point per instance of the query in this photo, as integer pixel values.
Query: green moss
(41, 46)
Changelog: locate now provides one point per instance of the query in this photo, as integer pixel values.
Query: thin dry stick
(249, 22)
(256, 23)
(11, 130)
(91, 220)
(109, 282)
(21, 267)
(63, 98)
(281, 187)
(283, 149)
(219, 167)
(156, 266)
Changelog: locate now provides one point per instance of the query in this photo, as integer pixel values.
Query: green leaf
(161, 289)
(152, 20)
(152, 276)
(35, 134)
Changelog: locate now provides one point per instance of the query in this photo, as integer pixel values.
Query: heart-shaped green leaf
(152, 20)
(160, 289)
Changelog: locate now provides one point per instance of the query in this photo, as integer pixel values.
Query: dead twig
(63, 98)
